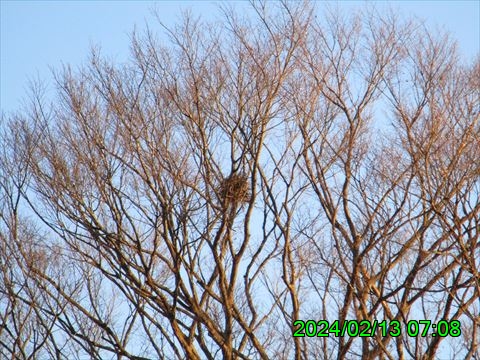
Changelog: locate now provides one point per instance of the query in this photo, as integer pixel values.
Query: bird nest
(235, 189)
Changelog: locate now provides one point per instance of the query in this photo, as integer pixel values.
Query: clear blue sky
(37, 35)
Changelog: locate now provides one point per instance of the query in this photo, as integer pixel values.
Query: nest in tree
(235, 189)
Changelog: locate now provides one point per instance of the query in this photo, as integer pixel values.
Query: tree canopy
(281, 165)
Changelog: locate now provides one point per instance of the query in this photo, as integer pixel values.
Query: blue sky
(36, 36)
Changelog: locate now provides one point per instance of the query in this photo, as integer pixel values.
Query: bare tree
(276, 167)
